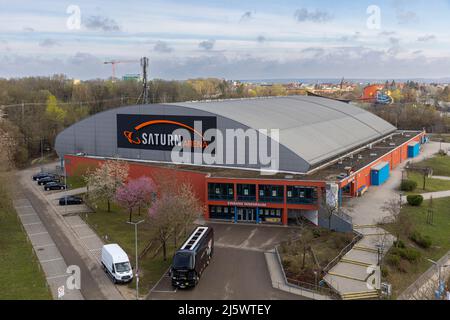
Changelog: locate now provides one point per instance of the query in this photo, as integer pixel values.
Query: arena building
(323, 147)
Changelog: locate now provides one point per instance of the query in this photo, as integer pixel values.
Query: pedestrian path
(435, 195)
(48, 254)
(349, 276)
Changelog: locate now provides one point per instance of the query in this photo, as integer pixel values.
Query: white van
(115, 262)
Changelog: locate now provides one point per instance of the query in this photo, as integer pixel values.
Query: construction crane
(114, 63)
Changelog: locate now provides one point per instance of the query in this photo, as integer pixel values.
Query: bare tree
(174, 208)
(400, 222)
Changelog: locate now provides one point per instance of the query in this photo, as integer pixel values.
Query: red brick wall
(197, 180)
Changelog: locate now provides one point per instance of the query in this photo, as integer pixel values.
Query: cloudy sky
(233, 39)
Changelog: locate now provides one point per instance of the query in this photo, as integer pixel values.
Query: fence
(344, 251)
(425, 279)
(304, 288)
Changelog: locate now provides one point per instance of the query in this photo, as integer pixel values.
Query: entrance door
(246, 214)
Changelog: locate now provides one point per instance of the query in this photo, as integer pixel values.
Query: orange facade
(200, 181)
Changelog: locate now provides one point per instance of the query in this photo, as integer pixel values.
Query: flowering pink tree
(145, 189)
(134, 193)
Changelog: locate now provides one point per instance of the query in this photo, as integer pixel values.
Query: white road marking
(51, 260)
(32, 224)
(56, 277)
(37, 234)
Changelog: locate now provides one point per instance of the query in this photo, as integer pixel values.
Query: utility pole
(144, 65)
(136, 248)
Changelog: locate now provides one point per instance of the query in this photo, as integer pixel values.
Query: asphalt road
(238, 269)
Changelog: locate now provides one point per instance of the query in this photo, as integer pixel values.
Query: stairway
(349, 275)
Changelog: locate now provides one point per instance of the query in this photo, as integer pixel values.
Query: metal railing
(343, 252)
(304, 286)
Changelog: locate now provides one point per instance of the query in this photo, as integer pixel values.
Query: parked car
(115, 262)
(54, 186)
(192, 258)
(70, 200)
(41, 175)
(44, 181)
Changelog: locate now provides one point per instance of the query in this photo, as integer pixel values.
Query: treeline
(411, 116)
(34, 110)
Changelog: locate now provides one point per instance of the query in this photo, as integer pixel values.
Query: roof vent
(392, 144)
(373, 154)
(289, 176)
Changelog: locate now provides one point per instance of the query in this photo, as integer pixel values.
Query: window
(261, 193)
(217, 190)
(245, 192)
(289, 194)
(230, 191)
(225, 210)
(213, 209)
(301, 194)
(274, 193)
(219, 209)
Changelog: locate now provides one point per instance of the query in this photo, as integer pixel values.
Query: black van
(192, 258)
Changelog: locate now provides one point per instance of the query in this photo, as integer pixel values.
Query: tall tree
(135, 193)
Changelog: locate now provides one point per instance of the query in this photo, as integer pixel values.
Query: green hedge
(422, 241)
(410, 254)
(408, 185)
(415, 200)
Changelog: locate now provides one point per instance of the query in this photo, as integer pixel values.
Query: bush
(422, 241)
(317, 233)
(415, 200)
(408, 185)
(410, 254)
(384, 272)
(393, 260)
(399, 244)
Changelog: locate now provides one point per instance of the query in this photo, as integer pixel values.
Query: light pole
(439, 272)
(136, 247)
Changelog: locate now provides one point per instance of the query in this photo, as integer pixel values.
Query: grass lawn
(75, 182)
(113, 225)
(432, 185)
(20, 276)
(439, 233)
(439, 163)
(325, 244)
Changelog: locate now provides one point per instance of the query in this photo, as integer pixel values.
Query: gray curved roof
(314, 128)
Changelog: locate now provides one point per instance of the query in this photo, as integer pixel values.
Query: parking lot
(238, 269)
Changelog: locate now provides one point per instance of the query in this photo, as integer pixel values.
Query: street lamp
(439, 271)
(136, 247)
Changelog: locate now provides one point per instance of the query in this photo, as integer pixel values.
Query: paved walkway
(83, 241)
(366, 210)
(349, 276)
(48, 254)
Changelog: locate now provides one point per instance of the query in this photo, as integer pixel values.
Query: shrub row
(408, 185)
(415, 200)
(421, 240)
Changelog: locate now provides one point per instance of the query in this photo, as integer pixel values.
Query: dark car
(70, 200)
(40, 175)
(54, 186)
(44, 181)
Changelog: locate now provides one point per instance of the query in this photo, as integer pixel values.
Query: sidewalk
(49, 256)
(349, 275)
(87, 240)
